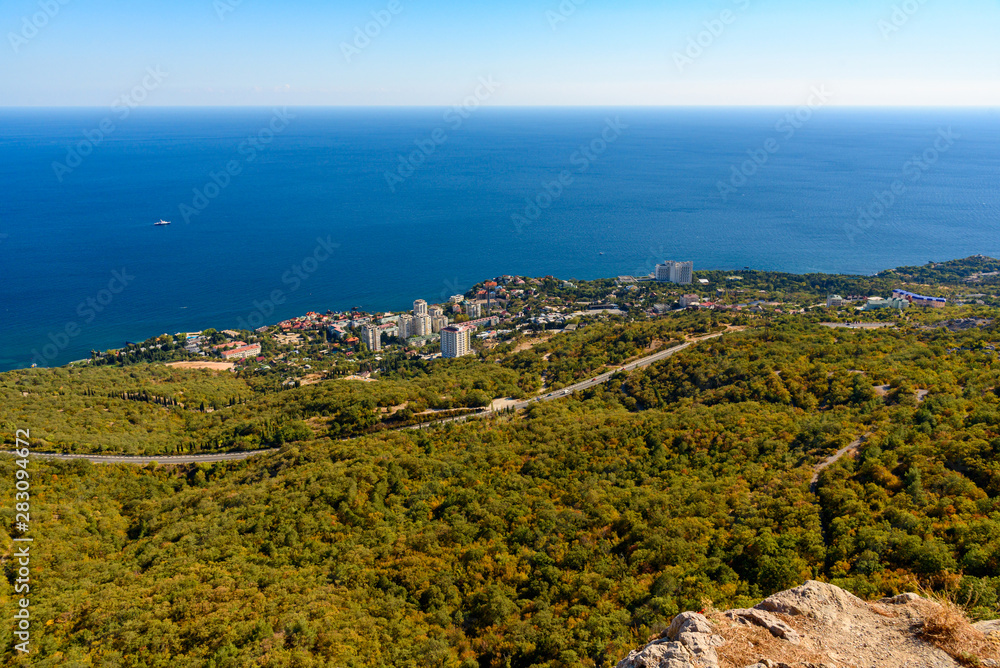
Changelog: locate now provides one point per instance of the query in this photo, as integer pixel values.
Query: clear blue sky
(606, 52)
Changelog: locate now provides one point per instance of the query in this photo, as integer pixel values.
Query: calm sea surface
(334, 209)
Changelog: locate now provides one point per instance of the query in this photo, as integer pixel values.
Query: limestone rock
(775, 626)
(658, 655)
(817, 601)
(816, 625)
(689, 642)
(687, 621)
(767, 663)
(988, 628)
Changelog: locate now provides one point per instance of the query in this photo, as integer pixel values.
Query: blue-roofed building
(920, 300)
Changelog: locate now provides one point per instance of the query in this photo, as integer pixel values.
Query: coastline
(715, 278)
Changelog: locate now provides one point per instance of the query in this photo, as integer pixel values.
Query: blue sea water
(637, 186)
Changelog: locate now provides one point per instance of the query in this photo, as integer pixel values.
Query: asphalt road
(857, 325)
(180, 459)
(582, 385)
(237, 456)
(604, 377)
(852, 448)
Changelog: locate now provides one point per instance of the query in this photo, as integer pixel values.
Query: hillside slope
(558, 537)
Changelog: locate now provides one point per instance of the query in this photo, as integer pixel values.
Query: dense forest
(556, 538)
(151, 410)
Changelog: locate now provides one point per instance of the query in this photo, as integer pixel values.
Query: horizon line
(507, 106)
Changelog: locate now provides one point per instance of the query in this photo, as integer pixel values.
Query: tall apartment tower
(438, 322)
(421, 325)
(472, 309)
(435, 311)
(681, 273)
(420, 307)
(405, 326)
(491, 286)
(372, 337)
(456, 341)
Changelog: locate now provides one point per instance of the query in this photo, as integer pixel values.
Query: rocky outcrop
(765, 620)
(689, 642)
(989, 628)
(819, 625)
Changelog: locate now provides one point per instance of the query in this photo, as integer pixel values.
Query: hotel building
(681, 273)
(241, 353)
(920, 300)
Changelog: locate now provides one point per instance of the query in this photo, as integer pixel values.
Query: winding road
(582, 385)
(833, 459)
(162, 459)
(237, 456)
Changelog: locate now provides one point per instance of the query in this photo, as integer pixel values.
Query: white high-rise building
(421, 325)
(405, 326)
(420, 307)
(456, 341)
(435, 311)
(683, 273)
(675, 272)
(438, 322)
(372, 337)
(473, 310)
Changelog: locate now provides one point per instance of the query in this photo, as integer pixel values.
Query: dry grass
(747, 645)
(947, 627)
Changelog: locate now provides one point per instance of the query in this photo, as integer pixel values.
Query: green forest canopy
(561, 537)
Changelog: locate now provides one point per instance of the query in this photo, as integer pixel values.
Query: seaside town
(314, 346)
